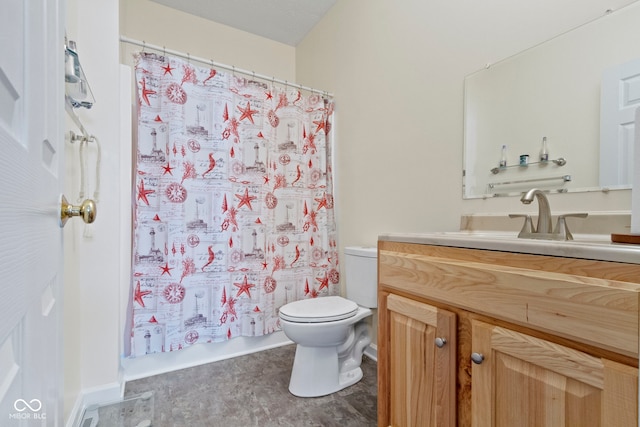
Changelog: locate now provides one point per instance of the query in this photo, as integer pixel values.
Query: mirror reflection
(576, 92)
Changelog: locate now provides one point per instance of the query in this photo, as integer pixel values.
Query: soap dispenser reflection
(544, 150)
(503, 157)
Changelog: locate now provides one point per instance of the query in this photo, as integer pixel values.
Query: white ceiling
(285, 21)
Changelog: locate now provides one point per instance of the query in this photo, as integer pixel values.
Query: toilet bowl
(332, 332)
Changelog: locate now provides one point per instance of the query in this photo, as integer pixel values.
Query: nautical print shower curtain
(233, 206)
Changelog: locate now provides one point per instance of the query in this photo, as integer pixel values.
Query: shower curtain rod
(212, 63)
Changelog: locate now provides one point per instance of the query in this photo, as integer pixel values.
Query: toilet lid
(316, 310)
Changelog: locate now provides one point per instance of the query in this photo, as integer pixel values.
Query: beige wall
(162, 26)
(397, 71)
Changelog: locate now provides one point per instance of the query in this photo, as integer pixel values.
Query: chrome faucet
(544, 211)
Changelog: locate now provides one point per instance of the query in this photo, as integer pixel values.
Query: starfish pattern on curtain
(233, 206)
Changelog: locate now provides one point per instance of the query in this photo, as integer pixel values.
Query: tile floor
(252, 390)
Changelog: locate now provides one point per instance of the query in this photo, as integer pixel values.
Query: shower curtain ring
(144, 44)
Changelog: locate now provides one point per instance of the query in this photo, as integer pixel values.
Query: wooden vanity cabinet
(555, 339)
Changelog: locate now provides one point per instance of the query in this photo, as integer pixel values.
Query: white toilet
(331, 332)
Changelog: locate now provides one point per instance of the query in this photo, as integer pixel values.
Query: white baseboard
(371, 352)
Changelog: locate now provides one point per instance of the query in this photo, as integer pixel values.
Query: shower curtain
(233, 204)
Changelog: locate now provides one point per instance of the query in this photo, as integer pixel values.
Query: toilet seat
(319, 310)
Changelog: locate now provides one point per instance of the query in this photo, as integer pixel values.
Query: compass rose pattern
(233, 205)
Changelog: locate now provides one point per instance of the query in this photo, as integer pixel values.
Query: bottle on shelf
(544, 151)
(503, 157)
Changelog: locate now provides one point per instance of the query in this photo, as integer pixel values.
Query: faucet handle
(561, 226)
(527, 227)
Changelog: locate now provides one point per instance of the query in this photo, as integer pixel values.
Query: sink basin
(587, 246)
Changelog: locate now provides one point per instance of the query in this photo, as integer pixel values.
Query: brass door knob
(87, 210)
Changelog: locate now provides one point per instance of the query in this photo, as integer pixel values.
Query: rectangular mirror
(579, 90)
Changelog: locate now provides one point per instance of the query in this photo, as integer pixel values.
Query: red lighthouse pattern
(233, 205)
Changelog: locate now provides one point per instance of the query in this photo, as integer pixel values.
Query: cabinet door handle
(440, 342)
(477, 358)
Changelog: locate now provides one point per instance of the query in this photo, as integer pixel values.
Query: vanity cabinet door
(519, 380)
(422, 359)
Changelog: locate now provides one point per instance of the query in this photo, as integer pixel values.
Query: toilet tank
(361, 269)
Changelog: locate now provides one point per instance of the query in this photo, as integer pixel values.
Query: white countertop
(586, 246)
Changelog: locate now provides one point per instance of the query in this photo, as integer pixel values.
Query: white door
(620, 96)
(31, 156)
